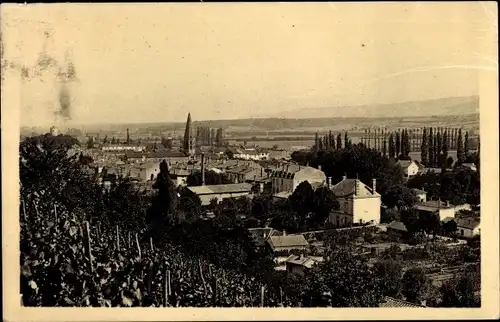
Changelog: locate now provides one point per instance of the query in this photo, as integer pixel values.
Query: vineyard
(69, 262)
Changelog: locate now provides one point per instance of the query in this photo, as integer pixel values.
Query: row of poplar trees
(435, 146)
(330, 142)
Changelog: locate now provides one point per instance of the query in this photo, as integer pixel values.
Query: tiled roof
(306, 261)
(447, 219)
(392, 302)
(431, 206)
(288, 170)
(156, 155)
(347, 187)
(221, 188)
(288, 241)
(397, 225)
(468, 223)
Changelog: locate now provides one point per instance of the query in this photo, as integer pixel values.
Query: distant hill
(424, 108)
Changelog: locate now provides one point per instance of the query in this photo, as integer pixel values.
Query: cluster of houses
(412, 168)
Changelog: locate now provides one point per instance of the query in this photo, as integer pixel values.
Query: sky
(157, 62)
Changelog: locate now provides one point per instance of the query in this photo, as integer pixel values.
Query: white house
(409, 167)
(148, 171)
(468, 227)
(289, 176)
(442, 209)
(358, 202)
(221, 191)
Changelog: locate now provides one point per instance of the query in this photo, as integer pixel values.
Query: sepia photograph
(249, 155)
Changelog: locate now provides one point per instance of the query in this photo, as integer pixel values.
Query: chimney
(374, 185)
(284, 232)
(344, 177)
(319, 167)
(356, 187)
(202, 169)
(329, 181)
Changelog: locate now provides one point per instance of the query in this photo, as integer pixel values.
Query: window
(462, 232)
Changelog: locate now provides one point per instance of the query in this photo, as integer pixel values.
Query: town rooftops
(432, 206)
(468, 223)
(288, 241)
(448, 219)
(393, 302)
(397, 225)
(289, 170)
(221, 188)
(156, 155)
(347, 187)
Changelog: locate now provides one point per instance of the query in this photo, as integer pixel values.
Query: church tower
(188, 144)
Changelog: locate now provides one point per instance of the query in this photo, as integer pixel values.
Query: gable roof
(288, 241)
(347, 187)
(397, 225)
(468, 223)
(432, 206)
(306, 261)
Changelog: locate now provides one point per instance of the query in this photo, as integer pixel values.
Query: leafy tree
(449, 228)
(164, 204)
(324, 201)
(399, 197)
(389, 274)
(342, 280)
(211, 178)
(166, 143)
(302, 200)
(410, 218)
(90, 143)
(459, 292)
(415, 285)
(429, 223)
(449, 162)
(388, 215)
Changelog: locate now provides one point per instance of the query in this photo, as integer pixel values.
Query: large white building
(289, 176)
(410, 167)
(358, 202)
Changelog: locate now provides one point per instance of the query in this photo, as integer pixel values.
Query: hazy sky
(156, 62)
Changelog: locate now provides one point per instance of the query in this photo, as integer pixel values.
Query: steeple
(188, 145)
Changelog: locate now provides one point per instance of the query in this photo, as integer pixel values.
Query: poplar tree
(316, 142)
(424, 149)
(466, 145)
(402, 145)
(339, 141)
(346, 140)
(320, 148)
(392, 148)
(398, 144)
(460, 148)
(327, 142)
(384, 148)
(438, 148)
(445, 144)
(430, 145)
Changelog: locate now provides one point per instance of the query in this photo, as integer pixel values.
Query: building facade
(358, 203)
(287, 177)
